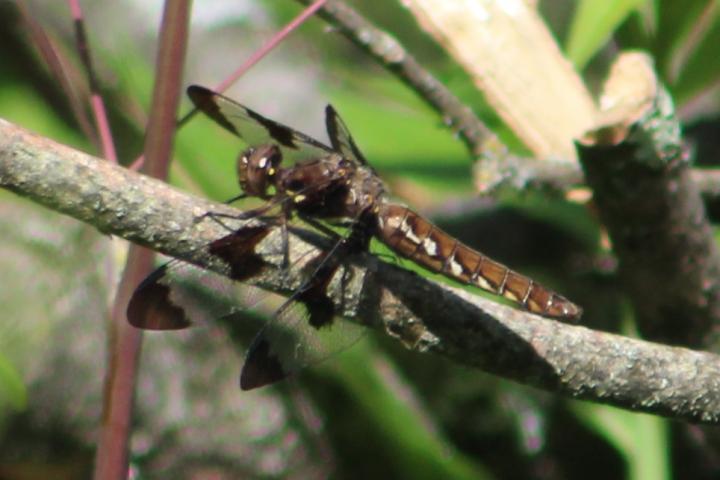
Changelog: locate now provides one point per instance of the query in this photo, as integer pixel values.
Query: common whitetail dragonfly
(323, 184)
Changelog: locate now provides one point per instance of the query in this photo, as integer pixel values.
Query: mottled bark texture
(644, 191)
(424, 315)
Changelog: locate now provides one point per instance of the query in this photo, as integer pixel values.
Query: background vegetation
(375, 410)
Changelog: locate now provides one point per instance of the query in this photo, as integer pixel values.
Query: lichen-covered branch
(653, 210)
(424, 315)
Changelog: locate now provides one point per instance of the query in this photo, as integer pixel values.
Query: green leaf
(12, 388)
(701, 68)
(592, 26)
(640, 438)
(676, 21)
(399, 422)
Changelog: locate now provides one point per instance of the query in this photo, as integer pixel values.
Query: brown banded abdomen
(415, 238)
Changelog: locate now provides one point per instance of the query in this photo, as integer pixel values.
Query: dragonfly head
(257, 168)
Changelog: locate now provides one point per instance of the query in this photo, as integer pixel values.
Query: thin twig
(60, 68)
(102, 124)
(393, 56)
(569, 360)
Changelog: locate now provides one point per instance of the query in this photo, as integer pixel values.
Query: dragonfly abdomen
(417, 239)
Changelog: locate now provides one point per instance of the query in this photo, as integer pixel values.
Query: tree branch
(643, 188)
(425, 316)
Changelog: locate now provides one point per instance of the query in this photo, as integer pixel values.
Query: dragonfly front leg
(320, 227)
(284, 238)
(255, 213)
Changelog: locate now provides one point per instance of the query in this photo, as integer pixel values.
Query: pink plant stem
(270, 45)
(96, 102)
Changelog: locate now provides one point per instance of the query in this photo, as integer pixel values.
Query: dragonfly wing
(290, 342)
(304, 331)
(340, 138)
(254, 128)
(168, 299)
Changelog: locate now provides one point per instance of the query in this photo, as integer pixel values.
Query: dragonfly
(297, 176)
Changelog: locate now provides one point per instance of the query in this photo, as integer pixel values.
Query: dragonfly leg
(285, 242)
(320, 227)
(217, 217)
(236, 198)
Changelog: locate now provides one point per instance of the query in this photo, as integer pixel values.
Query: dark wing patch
(254, 128)
(238, 251)
(263, 368)
(314, 295)
(151, 306)
(207, 102)
(340, 138)
(277, 131)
